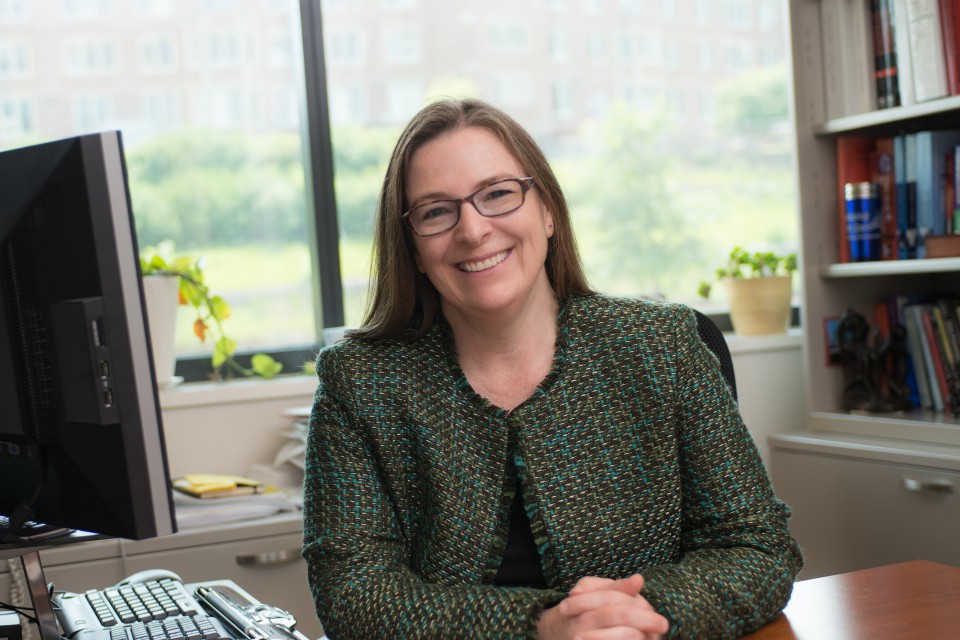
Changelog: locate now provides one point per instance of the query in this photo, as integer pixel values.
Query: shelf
(915, 116)
(935, 428)
(889, 268)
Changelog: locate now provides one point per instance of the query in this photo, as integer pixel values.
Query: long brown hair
(403, 302)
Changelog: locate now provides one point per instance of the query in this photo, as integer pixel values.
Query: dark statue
(874, 367)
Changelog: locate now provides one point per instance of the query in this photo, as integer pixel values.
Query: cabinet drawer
(851, 514)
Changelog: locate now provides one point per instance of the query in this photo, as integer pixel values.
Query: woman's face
(482, 265)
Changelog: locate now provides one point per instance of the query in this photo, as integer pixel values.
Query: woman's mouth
(482, 265)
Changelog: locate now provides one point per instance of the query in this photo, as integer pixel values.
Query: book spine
(911, 232)
(884, 54)
(956, 189)
(901, 38)
(917, 357)
(949, 14)
(883, 175)
(938, 365)
(948, 194)
(926, 47)
(938, 383)
(854, 164)
(900, 182)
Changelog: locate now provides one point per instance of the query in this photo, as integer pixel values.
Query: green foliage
(212, 311)
(621, 199)
(218, 188)
(755, 102)
(759, 264)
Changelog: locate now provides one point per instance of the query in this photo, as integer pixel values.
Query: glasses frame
(525, 185)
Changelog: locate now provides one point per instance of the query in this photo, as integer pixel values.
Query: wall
(227, 427)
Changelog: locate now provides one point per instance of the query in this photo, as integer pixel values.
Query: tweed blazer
(631, 454)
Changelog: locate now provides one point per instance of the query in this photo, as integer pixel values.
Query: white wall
(227, 427)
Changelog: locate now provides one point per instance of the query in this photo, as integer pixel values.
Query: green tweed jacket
(632, 457)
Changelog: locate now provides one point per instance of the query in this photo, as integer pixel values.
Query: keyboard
(167, 609)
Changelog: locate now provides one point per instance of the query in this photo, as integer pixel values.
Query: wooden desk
(908, 601)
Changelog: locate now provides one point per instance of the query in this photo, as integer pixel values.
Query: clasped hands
(603, 609)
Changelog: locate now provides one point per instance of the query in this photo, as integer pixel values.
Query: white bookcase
(836, 440)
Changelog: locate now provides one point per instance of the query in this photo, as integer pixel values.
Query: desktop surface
(904, 601)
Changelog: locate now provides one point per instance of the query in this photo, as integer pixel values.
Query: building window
(158, 55)
(18, 115)
(558, 46)
(597, 48)
(13, 11)
(401, 45)
(15, 59)
(344, 47)
(738, 13)
(94, 56)
(508, 38)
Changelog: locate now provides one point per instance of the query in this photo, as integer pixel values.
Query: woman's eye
(429, 213)
(496, 194)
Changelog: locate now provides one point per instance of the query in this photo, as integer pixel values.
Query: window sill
(738, 345)
(197, 394)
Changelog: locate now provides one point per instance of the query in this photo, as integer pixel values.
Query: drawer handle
(920, 486)
(268, 558)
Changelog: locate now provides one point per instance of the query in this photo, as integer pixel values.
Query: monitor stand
(46, 620)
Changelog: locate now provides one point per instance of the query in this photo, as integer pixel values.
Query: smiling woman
(498, 450)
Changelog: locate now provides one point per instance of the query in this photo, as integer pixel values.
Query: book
(917, 355)
(910, 231)
(926, 49)
(950, 28)
(937, 365)
(931, 151)
(855, 158)
(214, 485)
(884, 54)
(901, 40)
(882, 164)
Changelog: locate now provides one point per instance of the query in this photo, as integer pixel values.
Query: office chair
(713, 338)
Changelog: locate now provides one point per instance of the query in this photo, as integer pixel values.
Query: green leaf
(219, 308)
(265, 366)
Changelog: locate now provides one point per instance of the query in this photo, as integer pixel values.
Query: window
(158, 54)
(637, 127)
(402, 45)
(213, 140)
(13, 11)
(15, 59)
(90, 56)
(209, 95)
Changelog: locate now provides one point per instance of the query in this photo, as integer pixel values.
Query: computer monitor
(81, 437)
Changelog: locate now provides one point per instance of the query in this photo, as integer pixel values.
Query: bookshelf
(852, 478)
(828, 287)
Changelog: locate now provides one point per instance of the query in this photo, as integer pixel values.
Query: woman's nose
(472, 226)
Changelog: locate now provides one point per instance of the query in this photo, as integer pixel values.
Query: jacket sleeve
(358, 555)
(738, 559)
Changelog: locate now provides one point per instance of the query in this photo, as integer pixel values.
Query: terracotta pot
(759, 306)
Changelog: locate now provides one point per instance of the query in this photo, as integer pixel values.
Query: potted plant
(169, 282)
(759, 287)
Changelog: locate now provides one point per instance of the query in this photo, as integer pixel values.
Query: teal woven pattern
(632, 456)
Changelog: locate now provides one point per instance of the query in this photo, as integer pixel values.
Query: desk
(907, 601)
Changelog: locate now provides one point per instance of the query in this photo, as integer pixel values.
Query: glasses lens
(434, 217)
(499, 198)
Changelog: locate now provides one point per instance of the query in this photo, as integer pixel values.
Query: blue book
(900, 186)
(931, 157)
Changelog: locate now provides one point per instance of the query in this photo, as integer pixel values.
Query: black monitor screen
(81, 438)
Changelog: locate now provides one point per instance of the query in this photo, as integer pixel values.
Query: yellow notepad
(215, 485)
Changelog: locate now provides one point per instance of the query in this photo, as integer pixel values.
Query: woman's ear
(548, 222)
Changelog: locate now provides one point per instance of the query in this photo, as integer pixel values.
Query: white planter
(162, 297)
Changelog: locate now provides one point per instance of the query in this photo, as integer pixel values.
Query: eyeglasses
(497, 199)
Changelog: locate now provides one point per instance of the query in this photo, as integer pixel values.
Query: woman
(498, 452)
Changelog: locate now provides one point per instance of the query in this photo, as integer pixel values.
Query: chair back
(713, 338)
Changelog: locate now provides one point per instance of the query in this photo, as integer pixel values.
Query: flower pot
(759, 306)
(162, 296)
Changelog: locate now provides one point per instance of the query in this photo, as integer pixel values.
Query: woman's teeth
(485, 264)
